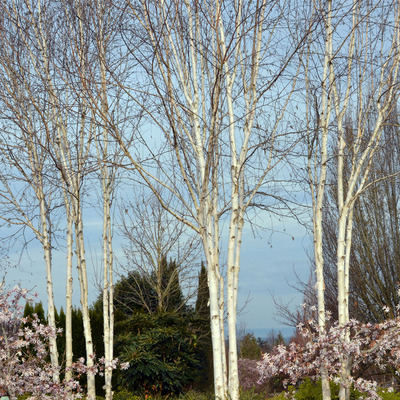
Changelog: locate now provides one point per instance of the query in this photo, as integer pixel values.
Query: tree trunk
(50, 298)
(82, 273)
(217, 334)
(343, 302)
(69, 290)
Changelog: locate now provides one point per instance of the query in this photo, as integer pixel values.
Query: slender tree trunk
(107, 187)
(68, 297)
(82, 273)
(108, 312)
(50, 298)
(216, 311)
(317, 182)
(108, 286)
(233, 272)
(342, 300)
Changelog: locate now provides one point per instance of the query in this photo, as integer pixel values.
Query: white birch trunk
(50, 298)
(232, 277)
(108, 286)
(342, 301)
(217, 335)
(82, 274)
(108, 313)
(317, 186)
(215, 284)
(107, 187)
(68, 297)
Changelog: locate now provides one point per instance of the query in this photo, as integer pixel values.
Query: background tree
(249, 347)
(141, 293)
(151, 236)
(167, 349)
(202, 314)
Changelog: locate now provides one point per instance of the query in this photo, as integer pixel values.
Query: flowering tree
(24, 351)
(370, 344)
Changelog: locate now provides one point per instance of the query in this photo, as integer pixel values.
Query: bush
(389, 396)
(310, 390)
(125, 395)
(252, 395)
(193, 395)
(162, 352)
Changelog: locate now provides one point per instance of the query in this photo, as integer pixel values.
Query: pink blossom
(369, 344)
(24, 354)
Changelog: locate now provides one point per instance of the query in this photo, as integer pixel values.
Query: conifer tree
(203, 295)
(202, 310)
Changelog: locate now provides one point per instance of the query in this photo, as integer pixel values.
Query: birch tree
(57, 60)
(362, 88)
(211, 70)
(71, 140)
(27, 179)
(104, 103)
(317, 138)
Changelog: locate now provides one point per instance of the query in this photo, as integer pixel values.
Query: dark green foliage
(173, 297)
(203, 294)
(37, 309)
(249, 348)
(129, 291)
(202, 311)
(28, 310)
(162, 352)
(78, 337)
(148, 324)
(60, 323)
(125, 395)
(96, 323)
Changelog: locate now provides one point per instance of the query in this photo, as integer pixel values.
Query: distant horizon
(263, 333)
